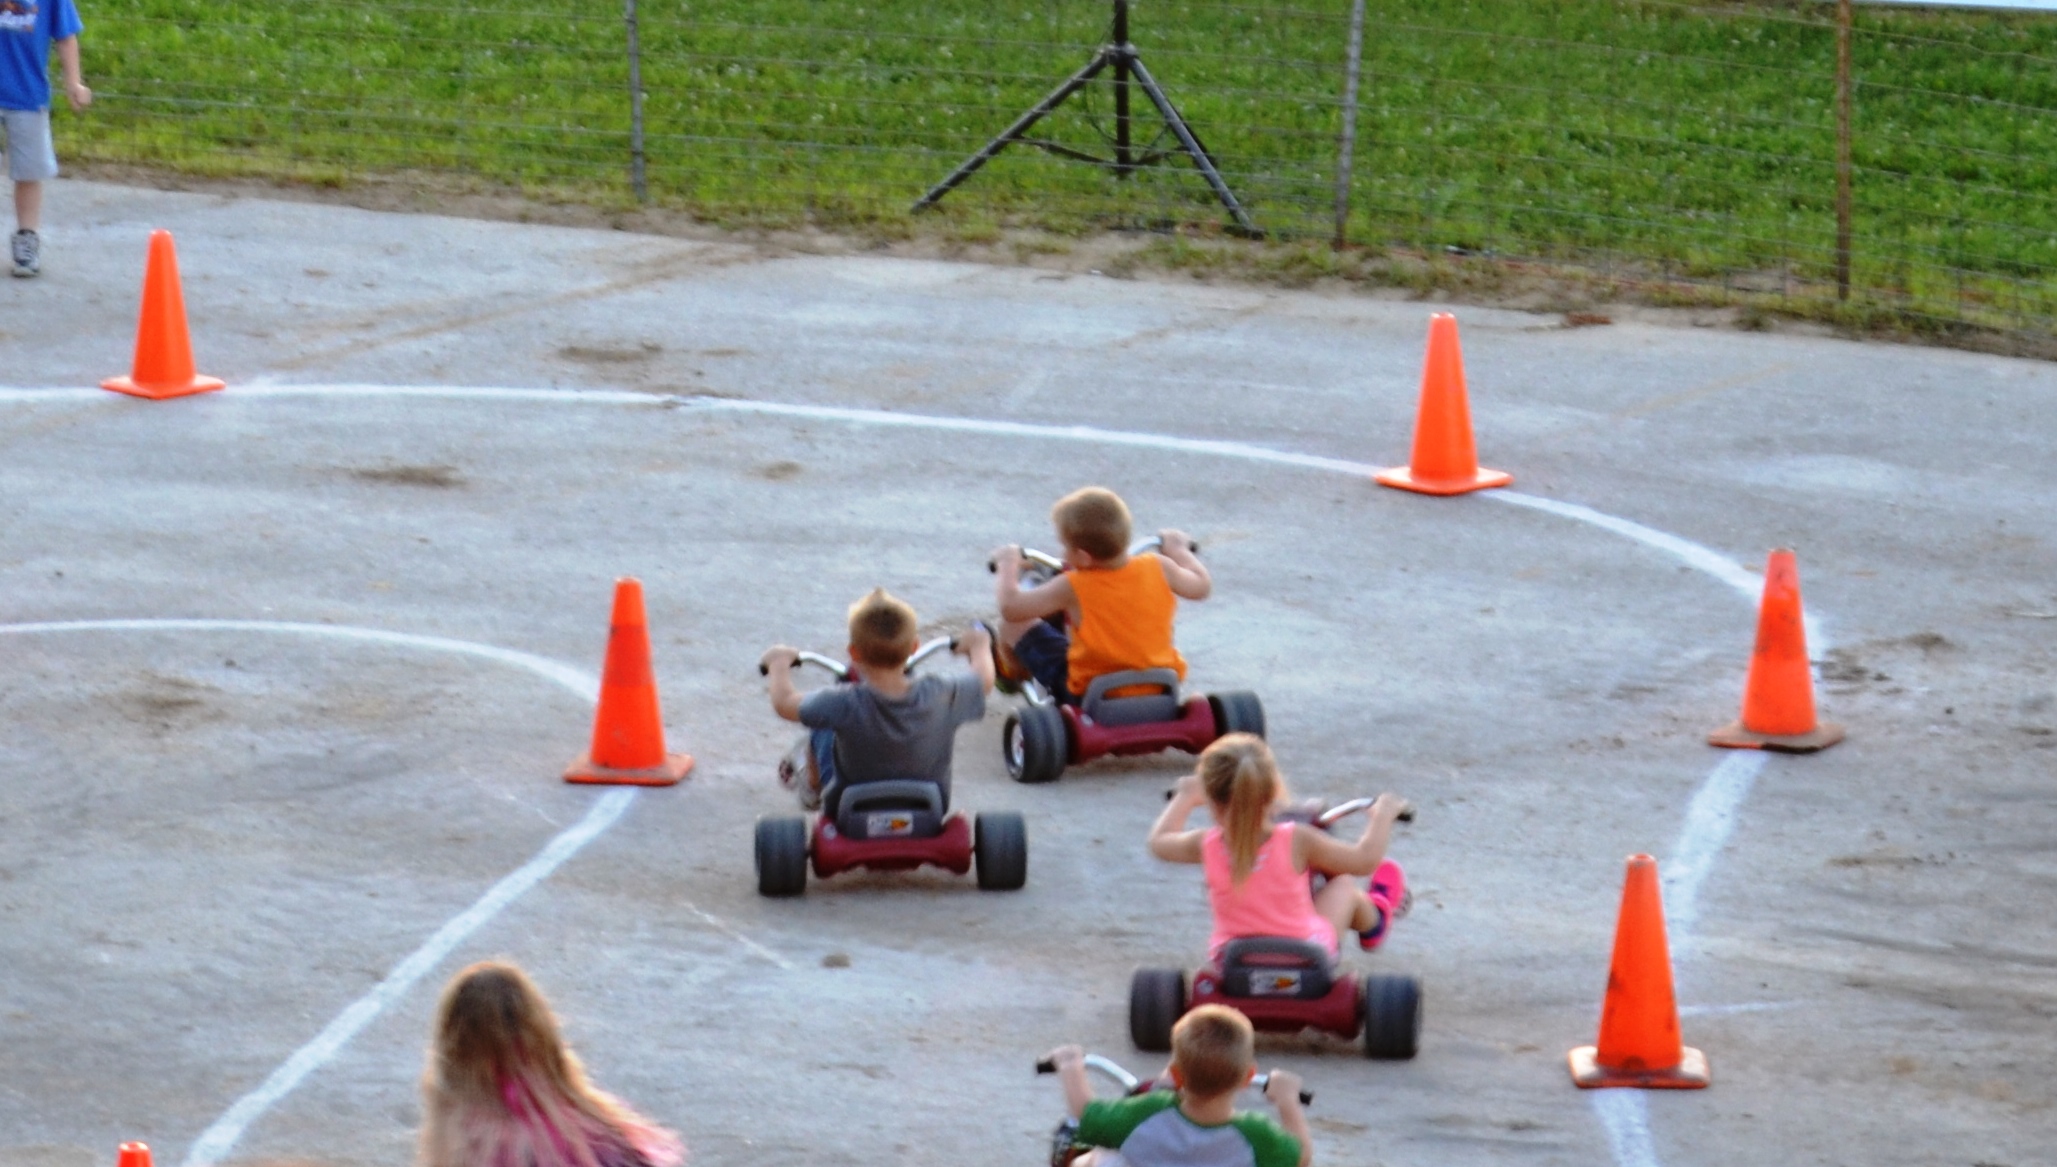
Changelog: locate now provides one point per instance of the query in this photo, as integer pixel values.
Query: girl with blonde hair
(1257, 868)
(501, 1089)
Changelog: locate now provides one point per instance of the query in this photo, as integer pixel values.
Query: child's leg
(1344, 905)
(28, 206)
(1041, 650)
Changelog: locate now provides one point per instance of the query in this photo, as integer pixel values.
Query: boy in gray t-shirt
(882, 724)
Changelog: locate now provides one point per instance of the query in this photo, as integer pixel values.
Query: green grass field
(1647, 140)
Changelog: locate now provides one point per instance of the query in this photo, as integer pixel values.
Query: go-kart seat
(1158, 702)
(1276, 966)
(891, 808)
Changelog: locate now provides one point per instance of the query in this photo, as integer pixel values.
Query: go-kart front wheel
(1032, 742)
(999, 847)
(1392, 1016)
(1156, 1000)
(781, 856)
(1237, 711)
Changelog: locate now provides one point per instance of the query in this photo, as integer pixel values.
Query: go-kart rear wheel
(1392, 1016)
(1032, 742)
(781, 856)
(999, 846)
(1237, 711)
(1156, 1000)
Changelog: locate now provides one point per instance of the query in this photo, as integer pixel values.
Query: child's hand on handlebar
(1388, 808)
(1066, 1055)
(1175, 542)
(1189, 789)
(1007, 560)
(778, 656)
(1282, 1088)
(973, 641)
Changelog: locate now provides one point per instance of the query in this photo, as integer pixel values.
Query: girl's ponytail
(1242, 781)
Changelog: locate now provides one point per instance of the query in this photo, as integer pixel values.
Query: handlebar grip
(993, 566)
(1046, 1066)
(1306, 1097)
(1407, 816)
(763, 670)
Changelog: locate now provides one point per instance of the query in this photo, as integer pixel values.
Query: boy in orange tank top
(1116, 610)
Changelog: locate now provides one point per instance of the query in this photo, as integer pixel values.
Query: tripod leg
(1186, 139)
(1073, 84)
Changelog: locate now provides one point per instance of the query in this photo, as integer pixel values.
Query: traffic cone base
(1690, 1073)
(160, 392)
(672, 772)
(1734, 736)
(1403, 478)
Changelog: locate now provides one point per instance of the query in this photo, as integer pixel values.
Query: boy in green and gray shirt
(1213, 1056)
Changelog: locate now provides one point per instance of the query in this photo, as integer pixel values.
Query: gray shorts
(30, 156)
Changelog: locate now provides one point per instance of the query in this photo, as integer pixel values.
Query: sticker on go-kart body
(1285, 983)
(887, 825)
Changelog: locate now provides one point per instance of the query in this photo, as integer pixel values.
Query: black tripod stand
(1127, 64)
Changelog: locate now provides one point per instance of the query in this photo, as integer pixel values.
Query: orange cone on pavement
(1445, 461)
(1639, 1039)
(628, 729)
(164, 351)
(1778, 698)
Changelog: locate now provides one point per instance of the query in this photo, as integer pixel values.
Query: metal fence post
(637, 179)
(1347, 145)
(1843, 19)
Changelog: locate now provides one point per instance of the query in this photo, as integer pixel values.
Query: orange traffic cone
(1445, 460)
(164, 352)
(133, 1155)
(1778, 699)
(628, 730)
(1639, 1042)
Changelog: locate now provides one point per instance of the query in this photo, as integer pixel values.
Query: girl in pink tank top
(1257, 870)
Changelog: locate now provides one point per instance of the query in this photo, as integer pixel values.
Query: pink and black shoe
(1390, 896)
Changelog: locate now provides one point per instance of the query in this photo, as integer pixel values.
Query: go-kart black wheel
(1237, 711)
(1392, 1016)
(781, 856)
(1032, 742)
(1156, 1000)
(999, 847)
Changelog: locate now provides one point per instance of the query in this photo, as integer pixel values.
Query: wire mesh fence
(1659, 144)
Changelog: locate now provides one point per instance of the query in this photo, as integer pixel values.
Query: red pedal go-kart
(1284, 985)
(1064, 1144)
(893, 825)
(1132, 712)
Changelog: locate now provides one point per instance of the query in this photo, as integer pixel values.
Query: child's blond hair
(501, 1089)
(883, 630)
(1094, 520)
(1241, 779)
(1213, 1049)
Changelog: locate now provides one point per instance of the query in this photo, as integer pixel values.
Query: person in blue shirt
(27, 30)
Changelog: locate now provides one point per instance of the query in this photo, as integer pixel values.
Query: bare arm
(1284, 1092)
(1071, 1074)
(1317, 849)
(778, 662)
(1169, 838)
(1016, 603)
(75, 90)
(976, 646)
(1183, 570)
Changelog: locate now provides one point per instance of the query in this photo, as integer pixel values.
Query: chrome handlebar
(841, 669)
(1052, 564)
(1130, 1084)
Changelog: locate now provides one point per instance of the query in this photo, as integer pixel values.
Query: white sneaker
(797, 774)
(28, 253)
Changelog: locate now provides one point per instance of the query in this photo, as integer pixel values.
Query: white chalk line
(1710, 817)
(215, 1143)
